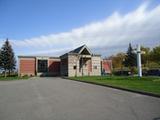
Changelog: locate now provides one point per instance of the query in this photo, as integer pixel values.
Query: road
(55, 98)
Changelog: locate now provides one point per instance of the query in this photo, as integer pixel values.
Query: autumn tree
(117, 60)
(146, 56)
(155, 54)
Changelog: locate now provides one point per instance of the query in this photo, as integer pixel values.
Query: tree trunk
(5, 75)
(9, 72)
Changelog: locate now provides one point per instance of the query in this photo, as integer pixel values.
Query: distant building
(78, 62)
(106, 66)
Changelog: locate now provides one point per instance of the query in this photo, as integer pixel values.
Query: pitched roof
(80, 49)
(77, 50)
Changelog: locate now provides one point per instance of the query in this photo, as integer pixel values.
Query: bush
(122, 72)
(134, 70)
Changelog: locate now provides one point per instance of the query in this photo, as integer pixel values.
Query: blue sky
(52, 27)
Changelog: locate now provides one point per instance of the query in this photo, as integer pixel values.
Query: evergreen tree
(7, 57)
(0, 61)
(130, 59)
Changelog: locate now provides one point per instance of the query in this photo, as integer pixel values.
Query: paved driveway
(60, 99)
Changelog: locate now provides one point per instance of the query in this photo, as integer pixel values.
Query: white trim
(26, 58)
(86, 48)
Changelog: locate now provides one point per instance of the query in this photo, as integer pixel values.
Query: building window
(95, 67)
(42, 65)
(74, 67)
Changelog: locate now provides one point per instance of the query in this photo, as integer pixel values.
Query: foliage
(117, 60)
(153, 64)
(155, 54)
(145, 56)
(8, 61)
(150, 59)
(130, 59)
(0, 61)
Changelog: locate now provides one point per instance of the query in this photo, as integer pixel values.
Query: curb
(114, 87)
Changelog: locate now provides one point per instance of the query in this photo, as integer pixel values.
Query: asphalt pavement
(54, 98)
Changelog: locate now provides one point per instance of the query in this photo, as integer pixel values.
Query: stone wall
(91, 66)
(96, 66)
(73, 65)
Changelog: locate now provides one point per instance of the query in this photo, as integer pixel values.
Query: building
(81, 62)
(78, 62)
(39, 65)
(106, 66)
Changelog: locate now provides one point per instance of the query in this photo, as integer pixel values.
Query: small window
(74, 67)
(95, 67)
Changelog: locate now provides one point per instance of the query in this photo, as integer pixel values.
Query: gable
(85, 50)
(82, 50)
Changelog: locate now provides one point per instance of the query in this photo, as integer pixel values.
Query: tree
(130, 59)
(145, 56)
(7, 57)
(155, 54)
(117, 60)
(0, 61)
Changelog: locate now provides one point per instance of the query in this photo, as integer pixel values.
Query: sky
(54, 27)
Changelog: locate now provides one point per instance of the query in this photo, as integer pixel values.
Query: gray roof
(77, 50)
(80, 49)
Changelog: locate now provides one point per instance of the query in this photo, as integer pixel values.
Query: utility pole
(139, 66)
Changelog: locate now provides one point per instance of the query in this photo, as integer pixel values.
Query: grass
(144, 84)
(2, 78)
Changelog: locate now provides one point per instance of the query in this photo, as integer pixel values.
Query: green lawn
(12, 78)
(147, 84)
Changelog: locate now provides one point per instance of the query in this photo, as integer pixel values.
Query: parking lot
(55, 98)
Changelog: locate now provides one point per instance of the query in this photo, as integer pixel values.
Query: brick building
(39, 65)
(106, 66)
(78, 62)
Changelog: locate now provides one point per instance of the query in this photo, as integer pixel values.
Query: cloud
(106, 37)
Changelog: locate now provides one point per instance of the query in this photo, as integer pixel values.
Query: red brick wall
(54, 66)
(107, 66)
(27, 66)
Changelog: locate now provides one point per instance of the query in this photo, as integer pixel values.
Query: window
(74, 67)
(95, 67)
(42, 65)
